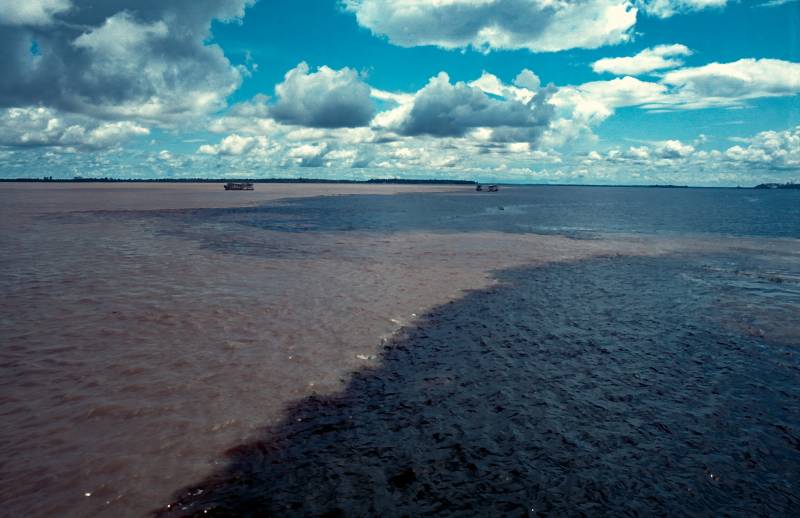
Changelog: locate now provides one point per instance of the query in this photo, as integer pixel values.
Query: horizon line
(393, 180)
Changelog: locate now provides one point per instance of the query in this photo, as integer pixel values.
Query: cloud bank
(738, 80)
(536, 25)
(146, 60)
(79, 80)
(44, 127)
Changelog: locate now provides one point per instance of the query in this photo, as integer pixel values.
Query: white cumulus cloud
(673, 149)
(537, 25)
(648, 60)
(233, 145)
(31, 12)
(308, 155)
(769, 149)
(45, 127)
(667, 8)
(731, 83)
(152, 62)
(325, 98)
(444, 109)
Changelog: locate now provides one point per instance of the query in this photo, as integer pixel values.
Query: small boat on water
(487, 188)
(238, 186)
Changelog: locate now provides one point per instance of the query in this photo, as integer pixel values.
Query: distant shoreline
(372, 181)
(788, 185)
(237, 180)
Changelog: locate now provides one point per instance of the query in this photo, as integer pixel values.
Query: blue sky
(700, 92)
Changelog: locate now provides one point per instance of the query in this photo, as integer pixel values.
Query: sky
(689, 92)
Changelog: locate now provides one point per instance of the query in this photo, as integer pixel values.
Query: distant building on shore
(787, 185)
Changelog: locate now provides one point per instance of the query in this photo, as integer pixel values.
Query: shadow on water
(596, 387)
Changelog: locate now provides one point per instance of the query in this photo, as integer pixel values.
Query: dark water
(608, 386)
(576, 211)
(649, 367)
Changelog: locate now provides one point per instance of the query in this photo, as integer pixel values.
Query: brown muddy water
(395, 350)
